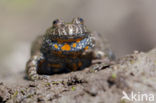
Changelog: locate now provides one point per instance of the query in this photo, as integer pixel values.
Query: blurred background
(127, 24)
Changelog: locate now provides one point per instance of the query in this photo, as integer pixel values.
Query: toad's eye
(55, 21)
(81, 20)
(58, 23)
(78, 20)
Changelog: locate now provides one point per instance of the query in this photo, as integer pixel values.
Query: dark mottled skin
(63, 48)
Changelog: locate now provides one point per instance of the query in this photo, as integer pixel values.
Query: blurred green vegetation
(17, 4)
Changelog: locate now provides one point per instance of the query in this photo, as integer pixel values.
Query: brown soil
(135, 72)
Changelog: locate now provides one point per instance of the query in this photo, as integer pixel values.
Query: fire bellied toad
(64, 47)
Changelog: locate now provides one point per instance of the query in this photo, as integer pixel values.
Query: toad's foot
(31, 67)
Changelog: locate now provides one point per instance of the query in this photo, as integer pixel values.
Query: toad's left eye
(78, 20)
(81, 20)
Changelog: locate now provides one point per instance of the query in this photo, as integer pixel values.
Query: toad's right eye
(55, 21)
(58, 23)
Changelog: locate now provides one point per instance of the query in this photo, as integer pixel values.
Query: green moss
(73, 88)
(56, 82)
(15, 94)
(30, 96)
(22, 91)
(18, 4)
(123, 101)
(114, 76)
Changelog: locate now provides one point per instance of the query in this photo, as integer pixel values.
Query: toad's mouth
(73, 46)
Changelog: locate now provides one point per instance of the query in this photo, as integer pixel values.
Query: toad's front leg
(32, 67)
(101, 48)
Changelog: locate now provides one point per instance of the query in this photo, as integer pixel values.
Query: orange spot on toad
(74, 66)
(59, 41)
(54, 65)
(79, 64)
(74, 45)
(66, 47)
(55, 45)
(68, 40)
(78, 40)
(86, 48)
